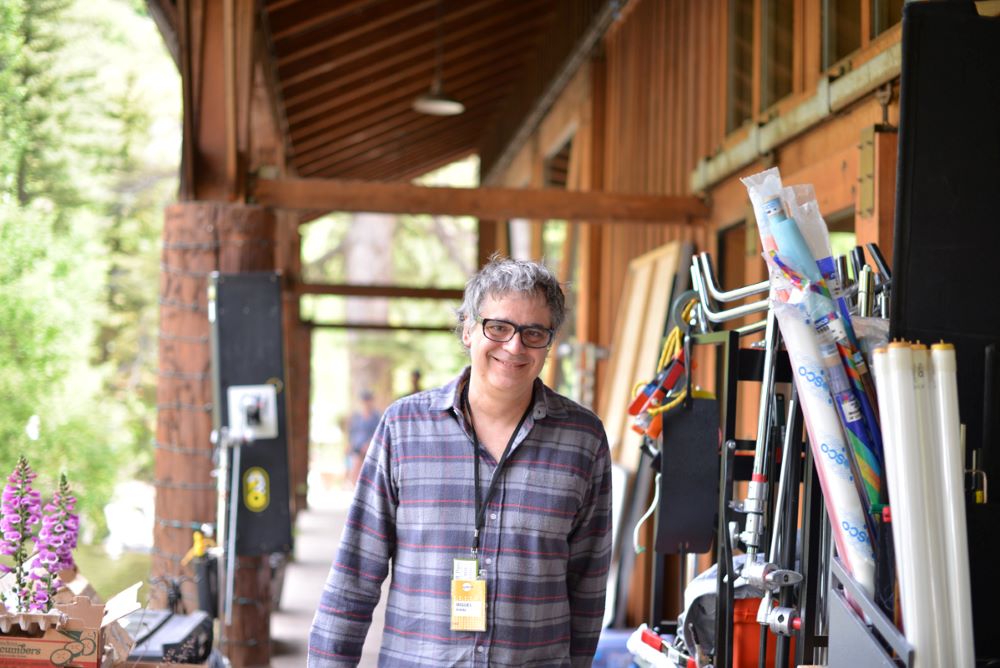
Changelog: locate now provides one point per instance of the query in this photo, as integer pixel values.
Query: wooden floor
(317, 534)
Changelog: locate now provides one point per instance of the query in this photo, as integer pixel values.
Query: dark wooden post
(200, 237)
(298, 347)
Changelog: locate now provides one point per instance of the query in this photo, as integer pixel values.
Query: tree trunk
(368, 260)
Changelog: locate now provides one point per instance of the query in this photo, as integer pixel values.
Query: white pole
(920, 629)
(900, 504)
(932, 535)
(951, 467)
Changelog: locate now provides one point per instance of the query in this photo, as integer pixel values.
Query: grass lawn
(109, 576)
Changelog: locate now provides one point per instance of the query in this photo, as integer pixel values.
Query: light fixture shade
(437, 103)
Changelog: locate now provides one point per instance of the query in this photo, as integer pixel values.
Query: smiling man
(489, 499)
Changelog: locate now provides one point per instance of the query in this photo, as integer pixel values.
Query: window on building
(776, 63)
(771, 52)
(884, 15)
(841, 30)
(739, 109)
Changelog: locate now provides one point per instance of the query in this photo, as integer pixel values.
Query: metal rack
(808, 596)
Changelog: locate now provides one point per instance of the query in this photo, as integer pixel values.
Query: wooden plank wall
(664, 61)
(656, 105)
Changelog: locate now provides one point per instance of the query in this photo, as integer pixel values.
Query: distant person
(489, 501)
(360, 428)
(415, 387)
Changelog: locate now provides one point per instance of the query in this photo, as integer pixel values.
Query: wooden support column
(200, 237)
(488, 231)
(876, 199)
(590, 271)
(298, 353)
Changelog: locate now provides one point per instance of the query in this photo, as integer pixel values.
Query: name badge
(468, 596)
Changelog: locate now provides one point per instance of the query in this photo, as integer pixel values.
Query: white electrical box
(253, 411)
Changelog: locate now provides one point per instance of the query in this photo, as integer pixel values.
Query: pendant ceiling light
(435, 101)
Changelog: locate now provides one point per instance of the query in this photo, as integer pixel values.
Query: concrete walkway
(317, 534)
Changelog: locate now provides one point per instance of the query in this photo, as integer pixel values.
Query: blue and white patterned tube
(829, 446)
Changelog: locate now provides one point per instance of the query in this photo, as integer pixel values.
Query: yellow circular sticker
(256, 489)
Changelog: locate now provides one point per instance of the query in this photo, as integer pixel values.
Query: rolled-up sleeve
(367, 545)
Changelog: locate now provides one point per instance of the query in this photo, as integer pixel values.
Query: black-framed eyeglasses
(502, 331)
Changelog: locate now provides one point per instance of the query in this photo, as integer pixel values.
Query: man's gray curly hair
(503, 276)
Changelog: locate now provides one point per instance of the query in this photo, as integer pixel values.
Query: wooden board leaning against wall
(640, 326)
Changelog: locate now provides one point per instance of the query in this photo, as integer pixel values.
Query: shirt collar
(449, 397)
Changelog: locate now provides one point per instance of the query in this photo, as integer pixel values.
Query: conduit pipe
(830, 97)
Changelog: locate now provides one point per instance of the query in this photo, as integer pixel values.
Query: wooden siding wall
(657, 96)
(664, 67)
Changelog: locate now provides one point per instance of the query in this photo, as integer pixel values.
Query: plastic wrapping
(829, 447)
(830, 371)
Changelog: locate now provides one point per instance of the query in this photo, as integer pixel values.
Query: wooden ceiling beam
(377, 327)
(414, 73)
(320, 66)
(360, 27)
(406, 168)
(488, 203)
(464, 38)
(360, 32)
(422, 141)
(297, 24)
(393, 291)
(379, 105)
(397, 144)
(377, 102)
(400, 158)
(278, 5)
(405, 121)
(415, 168)
(413, 34)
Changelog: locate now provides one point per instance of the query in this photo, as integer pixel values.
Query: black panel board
(947, 235)
(249, 351)
(689, 483)
(947, 227)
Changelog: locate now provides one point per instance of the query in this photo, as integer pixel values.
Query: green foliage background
(89, 144)
(89, 152)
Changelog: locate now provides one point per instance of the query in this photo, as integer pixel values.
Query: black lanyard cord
(481, 507)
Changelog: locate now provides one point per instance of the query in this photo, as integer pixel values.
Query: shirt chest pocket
(543, 502)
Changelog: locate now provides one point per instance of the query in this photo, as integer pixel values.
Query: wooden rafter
(488, 203)
(345, 290)
(358, 100)
(479, 34)
(378, 327)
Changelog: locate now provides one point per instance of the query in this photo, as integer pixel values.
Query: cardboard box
(74, 637)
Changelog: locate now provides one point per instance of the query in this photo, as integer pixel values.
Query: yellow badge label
(468, 605)
(256, 489)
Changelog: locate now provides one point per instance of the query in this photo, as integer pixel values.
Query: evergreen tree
(80, 214)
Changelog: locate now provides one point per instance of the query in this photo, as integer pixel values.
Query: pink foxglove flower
(55, 542)
(20, 511)
(20, 514)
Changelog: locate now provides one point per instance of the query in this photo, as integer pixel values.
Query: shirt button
(479, 649)
(489, 561)
(493, 516)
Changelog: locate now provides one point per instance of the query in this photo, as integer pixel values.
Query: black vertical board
(689, 483)
(247, 332)
(947, 229)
